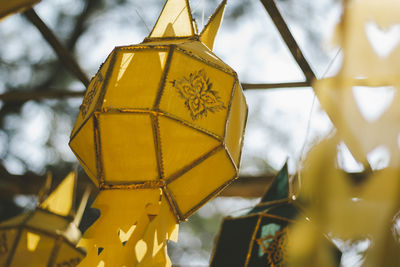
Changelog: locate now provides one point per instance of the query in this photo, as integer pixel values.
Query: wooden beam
(245, 186)
(64, 55)
(288, 38)
(248, 187)
(262, 86)
(23, 96)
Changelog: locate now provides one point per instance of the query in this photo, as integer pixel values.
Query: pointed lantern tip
(208, 34)
(175, 20)
(60, 201)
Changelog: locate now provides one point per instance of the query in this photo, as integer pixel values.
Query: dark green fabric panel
(279, 189)
(233, 242)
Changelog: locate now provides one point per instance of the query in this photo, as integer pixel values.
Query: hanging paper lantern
(260, 238)
(46, 236)
(350, 210)
(160, 126)
(370, 67)
(7, 7)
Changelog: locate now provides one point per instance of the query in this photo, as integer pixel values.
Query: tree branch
(64, 55)
(23, 96)
(288, 38)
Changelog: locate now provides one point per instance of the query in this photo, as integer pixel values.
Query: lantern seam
(173, 204)
(252, 240)
(97, 108)
(207, 62)
(194, 37)
(157, 145)
(106, 79)
(54, 252)
(14, 246)
(97, 149)
(243, 131)
(160, 112)
(266, 215)
(82, 162)
(106, 110)
(52, 235)
(80, 127)
(193, 164)
(216, 241)
(271, 202)
(163, 78)
(17, 239)
(228, 113)
(141, 47)
(67, 217)
(138, 185)
(230, 158)
(210, 196)
(192, 125)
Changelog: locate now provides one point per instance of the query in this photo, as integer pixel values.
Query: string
(196, 7)
(202, 14)
(308, 129)
(141, 18)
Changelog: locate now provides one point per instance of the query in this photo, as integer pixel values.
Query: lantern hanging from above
(260, 238)
(160, 127)
(7, 7)
(350, 209)
(369, 71)
(46, 236)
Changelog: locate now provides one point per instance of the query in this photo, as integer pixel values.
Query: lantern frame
(156, 45)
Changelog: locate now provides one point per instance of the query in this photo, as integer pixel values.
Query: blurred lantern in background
(260, 238)
(160, 132)
(371, 56)
(48, 235)
(7, 7)
(365, 209)
(348, 208)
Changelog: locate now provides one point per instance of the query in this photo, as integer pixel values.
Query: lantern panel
(92, 94)
(181, 25)
(128, 147)
(203, 53)
(198, 184)
(182, 145)
(135, 80)
(53, 222)
(197, 93)
(83, 146)
(34, 249)
(235, 125)
(234, 241)
(7, 238)
(60, 200)
(68, 256)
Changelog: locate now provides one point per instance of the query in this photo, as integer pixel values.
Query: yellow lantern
(7, 7)
(46, 236)
(165, 117)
